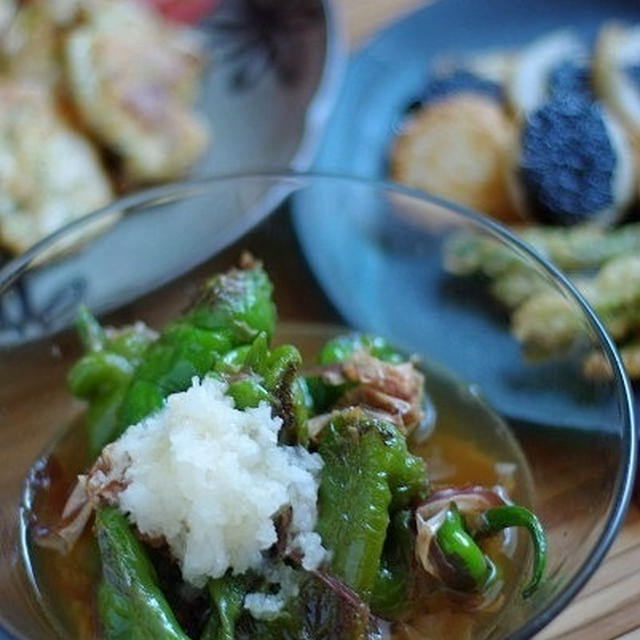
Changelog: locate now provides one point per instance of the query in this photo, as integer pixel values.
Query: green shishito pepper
(257, 374)
(513, 515)
(339, 349)
(131, 605)
(392, 592)
(368, 473)
(462, 552)
(227, 596)
(232, 309)
(319, 612)
(103, 374)
(127, 378)
(473, 569)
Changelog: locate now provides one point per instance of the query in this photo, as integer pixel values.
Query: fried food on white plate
(49, 174)
(557, 62)
(458, 147)
(616, 73)
(133, 77)
(30, 44)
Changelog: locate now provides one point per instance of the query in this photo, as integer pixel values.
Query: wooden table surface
(609, 605)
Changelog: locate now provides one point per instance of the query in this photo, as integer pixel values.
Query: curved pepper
(511, 515)
(466, 566)
(131, 605)
(459, 548)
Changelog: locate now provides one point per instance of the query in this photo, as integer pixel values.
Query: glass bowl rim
(12, 269)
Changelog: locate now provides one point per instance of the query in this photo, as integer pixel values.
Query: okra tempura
(604, 265)
(238, 493)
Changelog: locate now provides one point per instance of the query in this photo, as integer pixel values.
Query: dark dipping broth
(470, 444)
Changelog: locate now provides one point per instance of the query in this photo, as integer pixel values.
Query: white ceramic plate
(276, 70)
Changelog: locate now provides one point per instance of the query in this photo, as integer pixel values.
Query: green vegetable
(248, 392)
(232, 309)
(462, 552)
(577, 248)
(282, 378)
(131, 605)
(511, 515)
(103, 374)
(237, 303)
(323, 610)
(340, 348)
(171, 363)
(257, 374)
(90, 331)
(369, 486)
(227, 595)
(392, 593)
(473, 569)
(337, 350)
(367, 473)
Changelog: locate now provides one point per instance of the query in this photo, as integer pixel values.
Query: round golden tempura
(49, 173)
(458, 148)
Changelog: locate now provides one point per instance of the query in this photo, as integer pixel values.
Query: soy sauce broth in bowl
(574, 473)
(469, 445)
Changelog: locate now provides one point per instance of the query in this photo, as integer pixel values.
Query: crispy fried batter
(133, 78)
(459, 148)
(49, 174)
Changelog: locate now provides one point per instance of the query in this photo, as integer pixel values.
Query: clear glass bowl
(341, 251)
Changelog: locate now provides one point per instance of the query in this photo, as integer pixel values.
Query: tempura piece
(570, 248)
(32, 42)
(547, 322)
(458, 148)
(604, 265)
(133, 78)
(513, 288)
(616, 295)
(597, 367)
(49, 174)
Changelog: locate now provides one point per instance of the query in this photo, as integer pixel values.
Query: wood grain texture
(609, 605)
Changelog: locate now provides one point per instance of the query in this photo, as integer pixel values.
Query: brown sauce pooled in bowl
(469, 445)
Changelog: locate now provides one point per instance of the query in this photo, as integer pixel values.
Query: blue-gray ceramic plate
(382, 80)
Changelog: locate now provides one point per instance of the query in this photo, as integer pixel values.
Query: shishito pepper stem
(510, 515)
(461, 550)
(92, 335)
